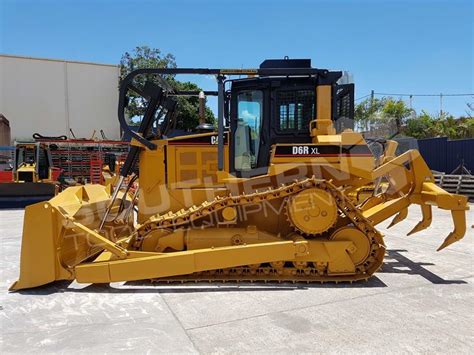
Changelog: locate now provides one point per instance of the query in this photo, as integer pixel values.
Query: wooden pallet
(456, 184)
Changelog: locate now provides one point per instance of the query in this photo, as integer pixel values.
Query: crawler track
(287, 271)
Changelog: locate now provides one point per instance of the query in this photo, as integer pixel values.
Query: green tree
(367, 111)
(455, 128)
(145, 57)
(429, 126)
(423, 126)
(466, 127)
(188, 107)
(396, 110)
(138, 58)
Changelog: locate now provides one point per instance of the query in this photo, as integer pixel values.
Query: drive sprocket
(311, 211)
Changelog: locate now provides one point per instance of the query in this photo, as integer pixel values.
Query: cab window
(247, 133)
(295, 110)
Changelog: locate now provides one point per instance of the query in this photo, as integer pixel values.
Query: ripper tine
(425, 220)
(450, 239)
(459, 221)
(399, 217)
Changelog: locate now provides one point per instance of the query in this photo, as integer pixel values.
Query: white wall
(51, 96)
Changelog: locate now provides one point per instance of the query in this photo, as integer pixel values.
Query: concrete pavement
(421, 302)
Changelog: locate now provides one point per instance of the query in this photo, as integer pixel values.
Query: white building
(50, 97)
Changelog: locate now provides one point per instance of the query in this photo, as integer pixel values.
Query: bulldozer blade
(459, 220)
(425, 220)
(38, 254)
(52, 242)
(399, 217)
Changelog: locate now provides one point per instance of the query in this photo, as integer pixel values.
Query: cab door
(250, 140)
(265, 112)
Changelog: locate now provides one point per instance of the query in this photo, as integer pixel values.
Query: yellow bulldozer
(267, 196)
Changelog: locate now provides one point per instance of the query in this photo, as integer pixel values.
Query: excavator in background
(268, 196)
(33, 177)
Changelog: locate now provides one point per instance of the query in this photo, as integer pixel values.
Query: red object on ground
(6, 176)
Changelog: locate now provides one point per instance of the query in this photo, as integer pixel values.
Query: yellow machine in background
(268, 196)
(33, 176)
(32, 163)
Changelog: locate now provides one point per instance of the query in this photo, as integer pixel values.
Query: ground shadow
(55, 287)
(395, 263)
(146, 286)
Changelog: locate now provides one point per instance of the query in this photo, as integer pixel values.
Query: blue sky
(417, 46)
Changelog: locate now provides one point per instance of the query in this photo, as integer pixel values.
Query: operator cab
(268, 110)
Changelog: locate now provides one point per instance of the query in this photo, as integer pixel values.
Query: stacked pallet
(457, 184)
